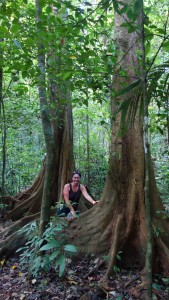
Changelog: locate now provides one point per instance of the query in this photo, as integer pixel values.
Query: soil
(81, 281)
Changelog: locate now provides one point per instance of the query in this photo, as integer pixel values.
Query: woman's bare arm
(66, 198)
(86, 195)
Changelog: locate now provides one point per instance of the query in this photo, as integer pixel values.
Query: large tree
(118, 223)
(56, 113)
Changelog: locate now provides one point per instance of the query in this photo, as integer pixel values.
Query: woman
(72, 193)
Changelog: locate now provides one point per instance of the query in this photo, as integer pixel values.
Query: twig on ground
(132, 280)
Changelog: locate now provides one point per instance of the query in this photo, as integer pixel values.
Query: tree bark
(149, 252)
(118, 222)
(3, 124)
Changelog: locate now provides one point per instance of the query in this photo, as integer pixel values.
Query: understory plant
(39, 255)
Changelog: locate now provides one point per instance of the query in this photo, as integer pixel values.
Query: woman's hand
(95, 202)
(72, 211)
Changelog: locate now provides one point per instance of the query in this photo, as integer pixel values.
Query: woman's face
(76, 178)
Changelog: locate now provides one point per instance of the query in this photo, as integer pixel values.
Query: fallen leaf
(90, 278)
(33, 281)
(2, 262)
(13, 267)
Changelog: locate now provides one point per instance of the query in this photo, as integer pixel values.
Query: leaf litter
(76, 284)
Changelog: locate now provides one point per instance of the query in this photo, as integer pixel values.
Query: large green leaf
(54, 255)
(50, 245)
(128, 88)
(61, 263)
(70, 248)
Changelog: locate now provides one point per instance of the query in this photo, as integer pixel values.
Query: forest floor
(81, 281)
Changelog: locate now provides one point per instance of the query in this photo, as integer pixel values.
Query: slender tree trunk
(87, 146)
(149, 254)
(3, 124)
(47, 129)
(167, 106)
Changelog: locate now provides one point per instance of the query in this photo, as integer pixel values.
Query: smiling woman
(72, 193)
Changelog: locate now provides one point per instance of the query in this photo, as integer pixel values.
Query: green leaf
(116, 6)
(160, 130)
(132, 29)
(166, 45)
(130, 13)
(53, 255)
(125, 24)
(17, 44)
(87, 3)
(15, 28)
(160, 30)
(3, 29)
(50, 245)
(128, 88)
(4, 32)
(70, 248)
(147, 48)
(118, 257)
(137, 6)
(48, 10)
(29, 41)
(66, 75)
(156, 286)
(62, 266)
(24, 74)
(61, 262)
(116, 269)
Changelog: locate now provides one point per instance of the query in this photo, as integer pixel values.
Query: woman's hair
(76, 172)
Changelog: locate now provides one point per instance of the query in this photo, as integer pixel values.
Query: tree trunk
(3, 124)
(118, 222)
(59, 123)
(147, 154)
(87, 145)
(46, 124)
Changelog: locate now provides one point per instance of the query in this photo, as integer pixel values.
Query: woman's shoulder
(82, 186)
(67, 186)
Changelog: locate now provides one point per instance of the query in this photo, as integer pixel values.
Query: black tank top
(75, 196)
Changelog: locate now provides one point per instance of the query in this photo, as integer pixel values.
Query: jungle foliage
(85, 34)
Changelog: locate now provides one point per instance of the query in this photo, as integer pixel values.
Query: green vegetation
(82, 35)
(56, 255)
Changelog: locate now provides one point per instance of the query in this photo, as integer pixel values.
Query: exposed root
(11, 244)
(19, 224)
(115, 245)
(29, 206)
(163, 255)
(104, 285)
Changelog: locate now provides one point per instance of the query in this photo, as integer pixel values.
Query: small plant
(40, 254)
(119, 255)
(115, 268)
